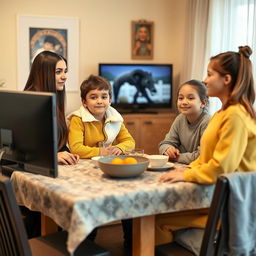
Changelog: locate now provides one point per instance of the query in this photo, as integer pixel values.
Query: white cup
(157, 160)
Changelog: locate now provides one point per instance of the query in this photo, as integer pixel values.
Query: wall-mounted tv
(139, 87)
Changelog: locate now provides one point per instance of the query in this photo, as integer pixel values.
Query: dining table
(82, 198)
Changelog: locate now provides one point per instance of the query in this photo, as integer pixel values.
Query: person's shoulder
(76, 113)
(236, 110)
(74, 119)
(237, 114)
(180, 117)
(205, 117)
(82, 114)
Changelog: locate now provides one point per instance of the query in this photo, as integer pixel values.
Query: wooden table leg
(48, 226)
(144, 236)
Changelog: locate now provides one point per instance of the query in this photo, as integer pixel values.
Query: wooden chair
(13, 238)
(213, 242)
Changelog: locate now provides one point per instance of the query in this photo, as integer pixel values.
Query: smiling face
(97, 102)
(189, 102)
(60, 75)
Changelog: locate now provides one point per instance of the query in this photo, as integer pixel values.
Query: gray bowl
(123, 170)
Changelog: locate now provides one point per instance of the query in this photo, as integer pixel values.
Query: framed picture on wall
(142, 39)
(47, 33)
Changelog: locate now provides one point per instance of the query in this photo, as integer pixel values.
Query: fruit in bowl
(157, 160)
(123, 166)
(127, 160)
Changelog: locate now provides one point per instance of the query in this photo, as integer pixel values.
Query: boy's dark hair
(94, 82)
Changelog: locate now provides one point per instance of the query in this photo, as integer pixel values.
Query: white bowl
(123, 170)
(95, 160)
(157, 160)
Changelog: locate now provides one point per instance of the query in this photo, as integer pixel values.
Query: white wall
(105, 33)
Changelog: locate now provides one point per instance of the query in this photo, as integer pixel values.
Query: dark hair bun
(245, 50)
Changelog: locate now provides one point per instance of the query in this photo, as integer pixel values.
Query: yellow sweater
(85, 132)
(227, 145)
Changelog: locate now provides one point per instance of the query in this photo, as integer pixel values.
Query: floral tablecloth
(82, 197)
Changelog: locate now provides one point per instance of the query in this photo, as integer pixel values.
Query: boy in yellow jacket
(96, 122)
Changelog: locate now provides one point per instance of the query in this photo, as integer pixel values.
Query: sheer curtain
(228, 25)
(195, 40)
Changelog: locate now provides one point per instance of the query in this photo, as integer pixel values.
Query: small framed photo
(142, 39)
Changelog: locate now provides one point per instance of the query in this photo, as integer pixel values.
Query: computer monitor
(28, 132)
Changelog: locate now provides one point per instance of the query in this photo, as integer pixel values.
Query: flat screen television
(28, 132)
(139, 87)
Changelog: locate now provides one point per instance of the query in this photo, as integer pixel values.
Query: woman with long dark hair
(48, 74)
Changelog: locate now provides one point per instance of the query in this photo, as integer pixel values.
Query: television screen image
(139, 85)
(28, 132)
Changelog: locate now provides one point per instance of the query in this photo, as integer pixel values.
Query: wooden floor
(111, 238)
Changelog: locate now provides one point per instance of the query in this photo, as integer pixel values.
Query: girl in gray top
(182, 142)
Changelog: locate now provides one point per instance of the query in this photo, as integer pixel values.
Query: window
(230, 25)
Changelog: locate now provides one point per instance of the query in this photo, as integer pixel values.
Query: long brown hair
(239, 67)
(42, 78)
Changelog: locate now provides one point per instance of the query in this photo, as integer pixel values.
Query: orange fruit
(117, 161)
(130, 160)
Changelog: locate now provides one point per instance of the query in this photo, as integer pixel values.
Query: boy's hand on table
(111, 151)
(115, 151)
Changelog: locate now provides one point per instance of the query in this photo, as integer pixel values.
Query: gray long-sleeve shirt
(185, 137)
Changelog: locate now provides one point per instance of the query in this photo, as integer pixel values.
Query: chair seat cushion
(172, 249)
(190, 238)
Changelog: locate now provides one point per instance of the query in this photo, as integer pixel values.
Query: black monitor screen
(28, 131)
(137, 86)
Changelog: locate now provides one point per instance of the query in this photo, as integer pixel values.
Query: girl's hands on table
(173, 153)
(173, 176)
(65, 157)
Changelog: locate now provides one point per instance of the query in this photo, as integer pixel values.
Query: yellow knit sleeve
(231, 141)
(76, 140)
(195, 162)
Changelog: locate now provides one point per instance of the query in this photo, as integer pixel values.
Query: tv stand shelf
(138, 111)
(148, 129)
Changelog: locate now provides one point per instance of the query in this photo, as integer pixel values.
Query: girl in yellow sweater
(228, 143)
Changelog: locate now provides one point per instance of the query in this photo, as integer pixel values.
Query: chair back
(13, 237)
(231, 224)
(213, 242)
